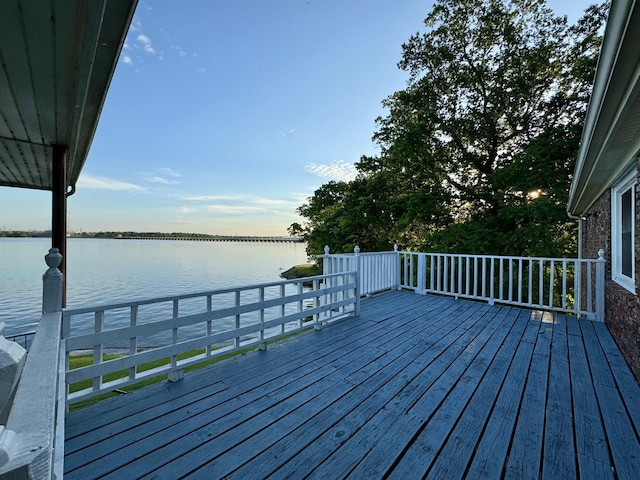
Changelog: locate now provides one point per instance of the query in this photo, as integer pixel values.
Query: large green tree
(477, 151)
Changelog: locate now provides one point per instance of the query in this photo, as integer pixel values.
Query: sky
(224, 116)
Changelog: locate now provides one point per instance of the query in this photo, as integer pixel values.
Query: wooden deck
(417, 386)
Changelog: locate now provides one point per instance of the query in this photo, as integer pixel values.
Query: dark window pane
(627, 234)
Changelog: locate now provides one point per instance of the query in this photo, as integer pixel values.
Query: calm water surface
(108, 270)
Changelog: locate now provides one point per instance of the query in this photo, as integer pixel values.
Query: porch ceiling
(57, 59)
(611, 135)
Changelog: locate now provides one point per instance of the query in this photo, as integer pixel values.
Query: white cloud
(210, 198)
(169, 172)
(135, 25)
(187, 210)
(162, 180)
(291, 131)
(179, 50)
(160, 176)
(269, 201)
(126, 59)
(338, 170)
(234, 209)
(201, 70)
(105, 183)
(145, 42)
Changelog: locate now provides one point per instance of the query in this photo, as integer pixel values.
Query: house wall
(622, 308)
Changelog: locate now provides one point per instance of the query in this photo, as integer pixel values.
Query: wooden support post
(59, 210)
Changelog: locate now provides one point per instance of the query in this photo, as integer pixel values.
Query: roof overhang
(57, 59)
(611, 133)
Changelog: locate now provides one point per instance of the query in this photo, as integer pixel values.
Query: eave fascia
(614, 85)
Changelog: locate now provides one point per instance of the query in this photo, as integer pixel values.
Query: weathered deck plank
(559, 449)
(593, 457)
(414, 386)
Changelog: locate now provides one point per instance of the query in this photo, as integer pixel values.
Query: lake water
(109, 270)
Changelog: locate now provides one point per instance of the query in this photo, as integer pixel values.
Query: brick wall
(622, 308)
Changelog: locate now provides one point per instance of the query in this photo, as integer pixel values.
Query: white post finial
(52, 283)
(395, 247)
(601, 254)
(326, 249)
(356, 250)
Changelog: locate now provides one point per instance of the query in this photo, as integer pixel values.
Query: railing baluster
(564, 284)
(455, 283)
(174, 358)
(501, 279)
(492, 280)
(531, 264)
(484, 277)
(551, 277)
(263, 346)
(460, 273)
(282, 309)
(300, 285)
(510, 279)
(208, 349)
(236, 340)
(133, 341)
(467, 274)
(475, 276)
(590, 304)
(577, 284)
(98, 350)
(541, 284)
(520, 280)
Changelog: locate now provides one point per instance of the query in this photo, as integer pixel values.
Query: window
(622, 232)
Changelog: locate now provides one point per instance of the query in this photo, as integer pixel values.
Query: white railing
(377, 271)
(573, 286)
(32, 442)
(202, 325)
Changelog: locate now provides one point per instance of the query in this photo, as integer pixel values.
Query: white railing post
(52, 283)
(422, 272)
(31, 442)
(354, 264)
(356, 256)
(396, 267)
(600, 286)
(326, 262)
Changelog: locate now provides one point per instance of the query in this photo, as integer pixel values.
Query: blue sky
(224, 116)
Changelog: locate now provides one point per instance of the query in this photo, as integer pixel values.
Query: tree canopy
(477, 151)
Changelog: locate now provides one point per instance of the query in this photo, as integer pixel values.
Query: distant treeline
(24, 234)
(176, 235)
(142, 235)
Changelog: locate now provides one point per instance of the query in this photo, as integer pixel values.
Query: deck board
(415, 386)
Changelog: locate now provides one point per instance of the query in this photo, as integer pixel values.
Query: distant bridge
(222, 238)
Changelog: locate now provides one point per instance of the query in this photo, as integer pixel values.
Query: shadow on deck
(415, 386)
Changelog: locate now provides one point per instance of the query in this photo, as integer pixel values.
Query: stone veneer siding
(622, 308)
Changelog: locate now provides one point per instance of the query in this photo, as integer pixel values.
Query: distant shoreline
(199, 237)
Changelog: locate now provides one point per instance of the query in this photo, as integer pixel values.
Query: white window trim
(617, 190)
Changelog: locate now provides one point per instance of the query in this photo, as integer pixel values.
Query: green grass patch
(302, 271)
